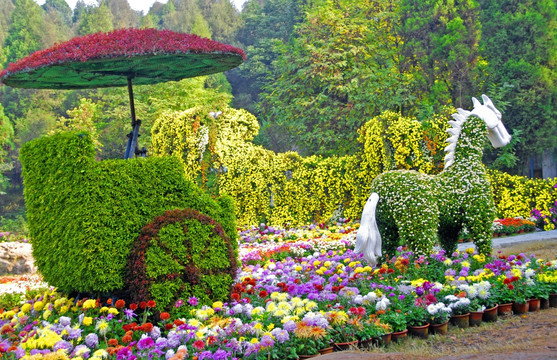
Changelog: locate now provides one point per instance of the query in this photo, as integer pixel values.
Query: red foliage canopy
(125, 44)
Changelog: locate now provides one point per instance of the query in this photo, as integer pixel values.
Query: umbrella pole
(131, 148)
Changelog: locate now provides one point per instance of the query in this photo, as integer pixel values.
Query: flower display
(119, 43)
(305, 291)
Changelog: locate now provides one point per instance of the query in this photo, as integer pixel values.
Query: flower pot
(461, 321)
(520, 308)
(385, 339)
(505, 309)
(419, 331)
(439, 329)
(366, 344)
(307, 356)
(327, 350)
(345, 345)
(533, 305)
(398, 336)
(544, 304)
(553, 300)
(490, 315)
(476, 318)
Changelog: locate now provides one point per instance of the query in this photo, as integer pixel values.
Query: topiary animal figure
(419, 210)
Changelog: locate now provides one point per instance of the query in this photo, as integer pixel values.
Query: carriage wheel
(180, 254)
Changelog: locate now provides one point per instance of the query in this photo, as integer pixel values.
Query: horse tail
(368, 238)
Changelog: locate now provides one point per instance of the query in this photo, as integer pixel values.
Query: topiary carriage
(137, 228)
(119, 226)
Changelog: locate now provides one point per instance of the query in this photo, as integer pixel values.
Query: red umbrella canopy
(147, 56)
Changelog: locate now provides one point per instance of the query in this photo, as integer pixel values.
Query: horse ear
(487, 101)
(476, 102)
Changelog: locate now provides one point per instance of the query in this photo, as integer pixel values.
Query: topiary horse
(408, 207)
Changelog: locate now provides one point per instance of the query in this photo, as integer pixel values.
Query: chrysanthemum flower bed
(298, 291)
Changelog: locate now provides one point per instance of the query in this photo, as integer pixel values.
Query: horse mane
(455, 130)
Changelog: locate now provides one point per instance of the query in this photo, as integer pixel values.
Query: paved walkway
(507, 241)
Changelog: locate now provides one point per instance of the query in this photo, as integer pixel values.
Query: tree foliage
(441, 49)
(519, 42)
(340, 68)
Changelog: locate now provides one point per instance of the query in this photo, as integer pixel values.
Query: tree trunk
(549, 164)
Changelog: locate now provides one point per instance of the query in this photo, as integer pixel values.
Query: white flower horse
(418, 210)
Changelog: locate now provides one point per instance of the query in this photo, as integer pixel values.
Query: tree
(200, 27)
(24, 34)
(95, 19)
(84, 117)
(78, 11)
(440, 45)
(123, 15)
(180, 15)
(147, 22)
(62, 8)
(6, 8)
(519, 41)
(56, 22)
(223, 18)
(339, 69)
(266, 27)
(6, 144)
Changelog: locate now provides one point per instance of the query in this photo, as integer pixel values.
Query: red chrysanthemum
(198, 345)
(164, 315)
(120, 304)
(143, 304)
(151, 303)
(263, 294)
(147, 327)
(126, 339)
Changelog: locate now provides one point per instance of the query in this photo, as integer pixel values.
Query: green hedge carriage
(135, 228)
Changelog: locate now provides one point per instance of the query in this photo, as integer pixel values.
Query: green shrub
(84, 215)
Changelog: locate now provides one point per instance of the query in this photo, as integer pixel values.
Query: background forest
(316, 72)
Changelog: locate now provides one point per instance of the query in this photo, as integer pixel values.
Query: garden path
(507, 241)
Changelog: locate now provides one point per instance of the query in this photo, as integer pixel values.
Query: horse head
(496, 131)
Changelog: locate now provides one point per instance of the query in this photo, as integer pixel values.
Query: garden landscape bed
(299, 289)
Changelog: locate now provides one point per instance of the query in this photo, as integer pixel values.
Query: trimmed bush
(180, 254)
(84, 215)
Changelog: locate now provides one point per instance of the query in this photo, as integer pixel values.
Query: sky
(141, 5)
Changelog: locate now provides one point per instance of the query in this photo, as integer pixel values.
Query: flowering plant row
(513, 226)
(279, 308)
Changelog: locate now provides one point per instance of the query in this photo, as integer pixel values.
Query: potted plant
(439, 315)
(306, 339)
(417, 320)
(372, 331)
(396, 319)
(460, 307)
(344, 335)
